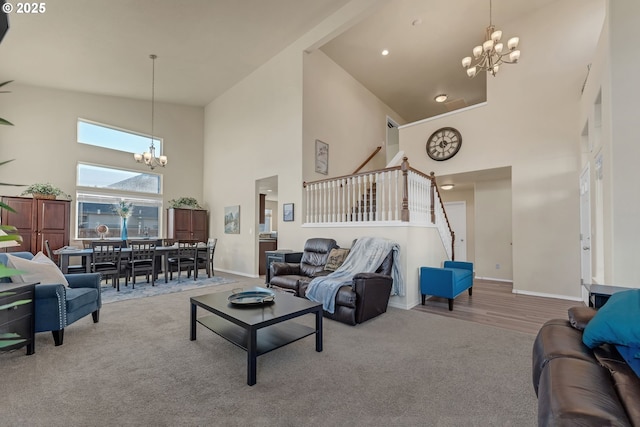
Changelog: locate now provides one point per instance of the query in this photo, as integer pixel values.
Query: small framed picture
(232, 219)
(322, 157)
(287, 212)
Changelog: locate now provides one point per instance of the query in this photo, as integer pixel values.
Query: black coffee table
(257, 329)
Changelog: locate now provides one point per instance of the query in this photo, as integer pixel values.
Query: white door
(585, 227)
(457, 214)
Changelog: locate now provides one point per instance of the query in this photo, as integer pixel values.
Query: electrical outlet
(497, 266)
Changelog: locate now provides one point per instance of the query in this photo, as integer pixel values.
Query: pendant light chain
(149, 157)
(153, 91)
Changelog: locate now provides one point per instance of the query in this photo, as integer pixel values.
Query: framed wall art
(287, 212)
(322, 157)
(232, 219)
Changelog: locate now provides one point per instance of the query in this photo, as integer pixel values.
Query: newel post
(404, 167)
(432, 197)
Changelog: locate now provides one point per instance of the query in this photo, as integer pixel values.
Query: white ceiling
(427, 41)
(204, 47)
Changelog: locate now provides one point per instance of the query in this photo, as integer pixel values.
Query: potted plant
(45, 191)
(184, 202)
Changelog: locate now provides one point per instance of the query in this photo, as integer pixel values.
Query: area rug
(144, 289)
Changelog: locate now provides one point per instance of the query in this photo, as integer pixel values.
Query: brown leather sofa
(577, 386)
(366, 297)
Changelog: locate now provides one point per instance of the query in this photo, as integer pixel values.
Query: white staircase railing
(396, 194)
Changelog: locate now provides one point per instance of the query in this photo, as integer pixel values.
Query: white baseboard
(493, 279)
(395, 304)
(545, 295)
(253, 276)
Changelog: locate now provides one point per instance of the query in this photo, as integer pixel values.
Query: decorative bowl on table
(251, 297)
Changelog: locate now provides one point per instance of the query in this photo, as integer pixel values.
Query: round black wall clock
(444, 143)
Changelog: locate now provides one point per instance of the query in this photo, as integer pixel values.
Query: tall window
(99, 189)
(105, 136)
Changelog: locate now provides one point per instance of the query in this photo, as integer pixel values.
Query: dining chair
(106, 259)
(141, 260)
(185, 258)
(72, 269)
(205, 257)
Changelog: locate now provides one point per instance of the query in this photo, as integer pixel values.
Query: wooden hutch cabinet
(187, 224)
(38, 220)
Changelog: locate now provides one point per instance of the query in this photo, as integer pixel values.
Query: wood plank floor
(493, 303)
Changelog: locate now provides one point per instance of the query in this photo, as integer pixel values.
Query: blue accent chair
(57, 306)
(447, 282)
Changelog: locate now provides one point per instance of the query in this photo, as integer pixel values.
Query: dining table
(85, 254)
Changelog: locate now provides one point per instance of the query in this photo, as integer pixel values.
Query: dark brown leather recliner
(366, 297)
(289, 276)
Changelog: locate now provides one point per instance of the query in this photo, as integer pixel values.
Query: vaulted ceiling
(206, 46)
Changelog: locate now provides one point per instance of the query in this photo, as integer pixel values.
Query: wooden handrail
(305, 183)
(368, 159)
(434, 188)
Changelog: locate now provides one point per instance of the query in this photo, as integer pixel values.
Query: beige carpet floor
(137, 367)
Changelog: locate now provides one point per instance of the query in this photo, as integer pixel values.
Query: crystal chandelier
(149, 157)
(491, 54)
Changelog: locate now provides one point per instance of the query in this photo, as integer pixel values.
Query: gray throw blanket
(365, 256)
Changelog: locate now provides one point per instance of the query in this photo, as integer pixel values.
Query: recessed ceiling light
(441, 98)
(447, 186)
(385, 52)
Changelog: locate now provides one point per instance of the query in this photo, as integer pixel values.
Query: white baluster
(380, 196)
(343, 198)
(307, 210)
(352, 192)
(333, 201)
(359, 201)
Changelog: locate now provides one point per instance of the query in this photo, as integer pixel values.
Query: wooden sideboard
(38, 220)
(187, 224)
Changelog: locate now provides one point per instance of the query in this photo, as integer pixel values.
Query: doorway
(393, 140)
(266, 219)
(457, 214)
(585, 230)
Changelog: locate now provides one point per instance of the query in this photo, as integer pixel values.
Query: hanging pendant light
(149, 157)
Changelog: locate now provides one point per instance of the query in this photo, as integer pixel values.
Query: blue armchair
(448, 282)
(57, 306)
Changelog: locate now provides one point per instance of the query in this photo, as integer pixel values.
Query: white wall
(255, 130)
(252, 131)
(43, 140)
(530, 123)
(613, 76)
(493, 231)
(419, 246)
(341, 112)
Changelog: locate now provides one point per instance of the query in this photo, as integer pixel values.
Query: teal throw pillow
(616, 322)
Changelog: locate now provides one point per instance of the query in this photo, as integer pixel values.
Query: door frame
(461, 208)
